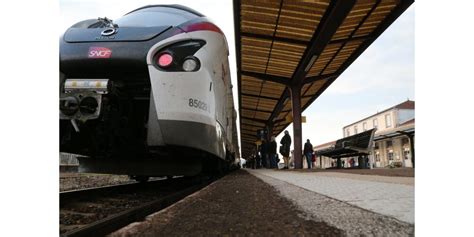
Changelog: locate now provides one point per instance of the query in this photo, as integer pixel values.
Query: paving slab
(389, 196)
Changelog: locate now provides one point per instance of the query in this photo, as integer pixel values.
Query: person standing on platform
(264, 153)
(308, 152)
(258, 161)
(285, 148)
(272, 152)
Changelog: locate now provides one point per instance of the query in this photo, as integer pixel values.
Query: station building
(393, 140)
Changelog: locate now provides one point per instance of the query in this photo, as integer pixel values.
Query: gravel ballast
(73, 181)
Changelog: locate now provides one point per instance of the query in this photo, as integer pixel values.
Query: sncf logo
(99, 52)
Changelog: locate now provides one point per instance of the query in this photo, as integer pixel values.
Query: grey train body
(147, 99)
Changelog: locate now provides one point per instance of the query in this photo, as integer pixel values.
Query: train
(148, 94)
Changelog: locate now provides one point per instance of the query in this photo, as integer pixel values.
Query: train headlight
(190, 65)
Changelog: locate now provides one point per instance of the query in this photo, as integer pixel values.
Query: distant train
(148, 94)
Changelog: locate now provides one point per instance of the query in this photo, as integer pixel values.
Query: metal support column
(412, 150)
(411, 137)
(295, 92)
(270, 131)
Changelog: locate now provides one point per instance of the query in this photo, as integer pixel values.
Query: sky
(381, 77)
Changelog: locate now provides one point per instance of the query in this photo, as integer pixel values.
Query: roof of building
(307, 44)
(324, 145)
(405, 128)
(408, 104)
(408, 122)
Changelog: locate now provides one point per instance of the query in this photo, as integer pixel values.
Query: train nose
(69, 105)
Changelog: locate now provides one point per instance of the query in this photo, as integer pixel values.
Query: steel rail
(65, 196)
(119, 220)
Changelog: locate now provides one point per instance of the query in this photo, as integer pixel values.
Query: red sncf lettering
(99, 52)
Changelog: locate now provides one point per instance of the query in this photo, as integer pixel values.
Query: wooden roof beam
(279, 106)
(267, 77)
(318, 78)
(351, 34)
(254, 133)
(296, 41)
(248, 124)
(247, 133)
(276, 38)
(259, 96)
(255, 120)
(365, 37)
(332, 19)
(259, 110)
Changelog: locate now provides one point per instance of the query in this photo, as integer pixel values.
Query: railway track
(100, 211)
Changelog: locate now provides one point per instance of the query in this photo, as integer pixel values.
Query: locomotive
(147, 94)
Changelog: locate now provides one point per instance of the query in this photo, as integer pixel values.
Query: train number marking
(198, 104)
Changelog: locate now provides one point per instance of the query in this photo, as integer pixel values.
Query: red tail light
(165, 60)
(201, 26)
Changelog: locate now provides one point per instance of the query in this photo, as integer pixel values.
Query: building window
(377, 156)
(355, 129)
(364, 126)
(376, 123)
(388, 120)
(389, 143)
(404, 141)
(406, 154)
(390, 155)
(348, 132)
(397, 156)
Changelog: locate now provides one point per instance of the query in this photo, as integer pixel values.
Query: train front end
(142, 95)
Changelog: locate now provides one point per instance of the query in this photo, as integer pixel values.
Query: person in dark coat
(258, 161)
(272, 152)
(285, 148)
(308, 152)
(264, 153)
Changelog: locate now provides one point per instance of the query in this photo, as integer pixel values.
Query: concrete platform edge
(354, 220)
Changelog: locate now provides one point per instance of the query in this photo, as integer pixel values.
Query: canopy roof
(281, 44)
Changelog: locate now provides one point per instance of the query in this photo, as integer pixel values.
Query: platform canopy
(307, 44)
(355, 145)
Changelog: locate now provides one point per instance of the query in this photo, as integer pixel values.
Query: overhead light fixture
(311, 62)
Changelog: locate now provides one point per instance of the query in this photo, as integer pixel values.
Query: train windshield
(155, 16)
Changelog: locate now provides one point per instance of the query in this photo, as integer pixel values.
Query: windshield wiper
(107, 22)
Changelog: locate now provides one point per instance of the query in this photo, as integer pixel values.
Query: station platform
(267, 202)
(391, 196)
